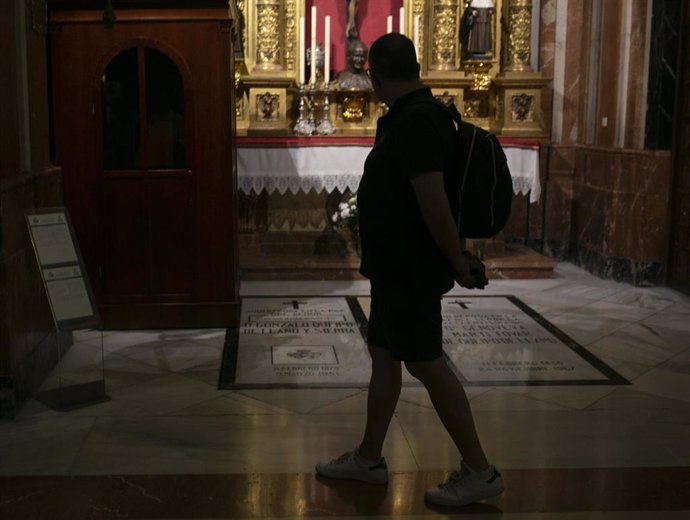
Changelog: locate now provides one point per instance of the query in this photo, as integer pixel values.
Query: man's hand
(477, 271)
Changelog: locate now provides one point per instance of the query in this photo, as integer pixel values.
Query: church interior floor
(169, 444)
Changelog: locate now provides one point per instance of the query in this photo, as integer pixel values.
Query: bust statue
(354, 77)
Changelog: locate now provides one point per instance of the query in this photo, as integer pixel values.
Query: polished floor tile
(170, 444)
(562, 493)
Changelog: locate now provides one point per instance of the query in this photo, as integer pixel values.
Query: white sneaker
(351, 466)
(466, 486)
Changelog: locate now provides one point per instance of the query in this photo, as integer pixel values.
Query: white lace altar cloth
(330, 167)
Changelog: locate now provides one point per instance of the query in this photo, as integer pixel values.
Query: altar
(306, 111)
(328, 164)
(301, 64)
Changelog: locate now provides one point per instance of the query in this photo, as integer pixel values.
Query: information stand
(78, 378)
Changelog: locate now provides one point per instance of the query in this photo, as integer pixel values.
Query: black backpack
(486, 187)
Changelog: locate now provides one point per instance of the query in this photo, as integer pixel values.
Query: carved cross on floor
(461, 303)
(295, 304)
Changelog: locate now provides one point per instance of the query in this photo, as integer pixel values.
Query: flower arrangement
(346, 218)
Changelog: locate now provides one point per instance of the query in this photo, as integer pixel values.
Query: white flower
(334, 218)
(352, 201)
(345, 213)
(342, 206)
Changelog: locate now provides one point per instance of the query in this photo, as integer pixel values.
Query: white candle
(416, 35)
(389, 24)
(302, 43)
(312, 78)
(402, 20)
(327, 50)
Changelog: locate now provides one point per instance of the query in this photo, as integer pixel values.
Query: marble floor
(169, 444)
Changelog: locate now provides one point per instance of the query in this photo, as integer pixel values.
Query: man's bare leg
(384, 391)
(453, 408)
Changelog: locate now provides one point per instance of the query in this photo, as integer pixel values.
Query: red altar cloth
(300, 142)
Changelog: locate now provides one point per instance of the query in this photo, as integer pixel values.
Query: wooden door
(679, 258)
(143, 118)
(147, 240)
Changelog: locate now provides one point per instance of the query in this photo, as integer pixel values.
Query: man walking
(412, 255)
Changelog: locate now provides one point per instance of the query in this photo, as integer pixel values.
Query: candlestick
(312, 78)
(303, 127)
(302, 51)
(389, 24)
(325, 126)
(415, 35)
(327, 50)
(402, 20)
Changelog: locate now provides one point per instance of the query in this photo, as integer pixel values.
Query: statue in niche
(351, 29)
(354, 77)
(475, 30)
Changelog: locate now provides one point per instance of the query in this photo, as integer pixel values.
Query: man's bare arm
(436, 212)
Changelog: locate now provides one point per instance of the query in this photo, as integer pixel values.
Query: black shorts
(406, 322)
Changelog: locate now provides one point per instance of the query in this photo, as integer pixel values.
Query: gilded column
(268, 35)
(518, 38)
(291, 36)
(445, 19)
(418, 10)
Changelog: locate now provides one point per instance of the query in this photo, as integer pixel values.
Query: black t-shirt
(397, 247)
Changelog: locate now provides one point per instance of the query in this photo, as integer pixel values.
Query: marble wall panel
(575, 97)
(610, 59)
(558, 193)
(516, 227)
(591, 207)
(641, 227)
(607, 210)
(636, 104)
(547, 50)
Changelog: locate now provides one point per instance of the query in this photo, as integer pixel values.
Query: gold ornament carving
(472, 108)
(446, 98)
(499, 108)
(519, 35)
(521, 108)
(239, 111)
(481, 79)
(268, 36)
(418, 10)
(267, 106)
(354, 104)
(444, 50)
(290, 34)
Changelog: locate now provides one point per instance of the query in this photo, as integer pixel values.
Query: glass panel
(165, 112)
(120, 91)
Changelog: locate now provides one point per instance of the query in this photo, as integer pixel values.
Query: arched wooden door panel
(147, 179)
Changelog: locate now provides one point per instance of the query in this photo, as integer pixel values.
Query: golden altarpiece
(489, 77)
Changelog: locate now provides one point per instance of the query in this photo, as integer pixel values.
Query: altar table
(329, 163)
